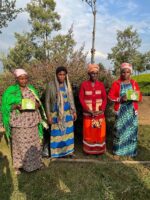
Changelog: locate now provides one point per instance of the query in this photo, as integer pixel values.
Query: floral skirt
(26, 148)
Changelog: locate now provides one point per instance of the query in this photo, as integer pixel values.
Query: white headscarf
(126, 66)
(19, 72)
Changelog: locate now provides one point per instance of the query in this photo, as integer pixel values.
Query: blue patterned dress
(62, 140)
(126, 128)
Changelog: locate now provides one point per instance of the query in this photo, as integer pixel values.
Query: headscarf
(126, 66)
(60, 100)
(60, 69)
(93, 68)
(19, 72)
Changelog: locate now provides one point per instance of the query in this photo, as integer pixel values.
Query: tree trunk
(93, 33)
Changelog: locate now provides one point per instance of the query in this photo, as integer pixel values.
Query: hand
(2, 129)
(100, 112)
(91, 112)
(16, 107)
(50, 120)
(74, 116)
(123, 98)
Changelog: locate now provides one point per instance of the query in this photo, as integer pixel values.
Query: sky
(112, 15)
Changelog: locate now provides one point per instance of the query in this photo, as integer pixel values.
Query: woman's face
(61, 76)
(93, 76)
(125, 74)
(22, 80)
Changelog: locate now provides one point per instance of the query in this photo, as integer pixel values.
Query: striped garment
(94, 138)
(62, 140)
(126, 128)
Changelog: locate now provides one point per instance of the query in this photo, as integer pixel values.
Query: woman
(126, 128)
(22, 125)
(93, 99)
(61, 113)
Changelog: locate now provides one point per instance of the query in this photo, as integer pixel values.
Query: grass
(143, 147)
(79, 181)
(142, 78)
(144, 83)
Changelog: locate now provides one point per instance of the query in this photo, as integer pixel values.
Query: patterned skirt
(62, 141)
(26, 148)
(94, 138)
(126, 129)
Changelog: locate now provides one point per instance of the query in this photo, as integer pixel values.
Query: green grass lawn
(144, 82)
(79, 181)
(142, 77)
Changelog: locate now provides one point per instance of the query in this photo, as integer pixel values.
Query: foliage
(43, 20)
(147, 60)
(22, 53)
(26, 52)
(126, 49)
(8, 12)
(144, 83)
(34, 48)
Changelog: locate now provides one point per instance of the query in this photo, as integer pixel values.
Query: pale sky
(112, 15)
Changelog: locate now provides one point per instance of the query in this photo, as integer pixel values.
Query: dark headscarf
(60, 69)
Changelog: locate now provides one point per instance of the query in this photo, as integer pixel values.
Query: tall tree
(147, 60)
(22, 53)
(92, 4)
(27, 51)
(62, 47)
(8, 12)
(38, 46)
(43, 20)
(126, 48)
(139, 62)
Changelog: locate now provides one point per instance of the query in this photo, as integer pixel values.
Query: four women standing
(24, 126)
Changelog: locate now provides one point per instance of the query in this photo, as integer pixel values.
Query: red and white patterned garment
(93, 97)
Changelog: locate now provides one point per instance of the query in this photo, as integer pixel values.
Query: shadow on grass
(85, 181)
(79, 181)
(6, 185)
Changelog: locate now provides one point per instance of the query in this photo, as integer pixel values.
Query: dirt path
(144, 111)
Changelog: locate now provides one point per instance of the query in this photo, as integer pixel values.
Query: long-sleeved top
(114, 94)
(92, 97)
(51, 99)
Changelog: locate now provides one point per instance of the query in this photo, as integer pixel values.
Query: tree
(138, 62)
(26, 51)
(126, 49)
(92, 4)
(8, 12)
(101, 66)
(62, 47)
(147, 60)
(22, 53)
(43, 20)
(31, 49)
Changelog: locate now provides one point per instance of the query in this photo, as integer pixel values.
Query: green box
(132, 95)
(28, 104)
